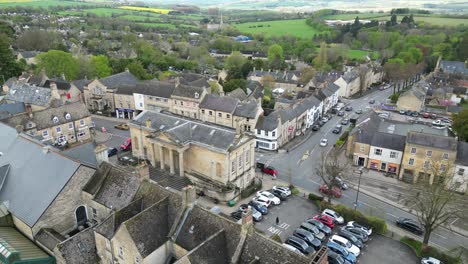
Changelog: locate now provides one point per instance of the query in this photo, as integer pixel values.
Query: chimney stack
(148, 123)
(247, 220)
(29, 110)
(54, 91)
(101, 154)
(142, 171)
(188, 195)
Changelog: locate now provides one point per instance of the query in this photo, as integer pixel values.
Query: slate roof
(84, 153)
(462, 153)
(419, 90)
(239, 94)
(45, 118)
(13, 108)
(29, 94)
(269, 122)
(120, 79)
(188, 91)
(350, 76)
(61, 84)
(434, 141)
(219, 103)
(28, 175)
(29, 54)
(188, 77)
(156, 88)
(366, 129)
(247, 109)
(389, 141)
(453, 67)
(80, 84)
(185, 131)
(200, 83)
(279, 76)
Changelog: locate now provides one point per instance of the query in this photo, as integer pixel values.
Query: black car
(357, 233)
(348, 108)
(340, 113)
(300, 244)
(262, 209)
(281, 195)
(335, 258)
(321, 227)
(308, 237)
(315, 127)
(236, 215)
(111, 152)
(351, 237)
(410, 225)
(372, 101)
(337, 129)
(321, 123)
(414, 114)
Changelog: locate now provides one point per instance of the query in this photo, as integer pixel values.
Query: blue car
(262, 209)
(332, 246)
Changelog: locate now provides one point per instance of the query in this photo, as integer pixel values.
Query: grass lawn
(353, 16)
(295, 27)
(361, 54)
(165, 25)
(40, 3)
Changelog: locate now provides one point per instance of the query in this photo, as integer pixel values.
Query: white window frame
(429, 153)
(393, 154)
(445, 156)
(82, 122)
(70, 126)
(415, 150)
(378, 151)
(240, 161)
(426, 164)
(68, 116)
(247, 156)
(58, 129)
(120, 252)
(45, 133)
(361, 148)
(233, 166)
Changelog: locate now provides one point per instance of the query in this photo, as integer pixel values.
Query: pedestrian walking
(277, 220)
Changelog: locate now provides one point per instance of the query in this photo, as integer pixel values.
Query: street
(301, 168)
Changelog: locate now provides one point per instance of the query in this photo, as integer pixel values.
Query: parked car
(332, 246)
(122, 126)
(308, 237)
(337, 129)
(282, 196)
(337, 217)
(364, 228)
(293, 249)
(261, 208)
(414, 114)
(357, 233)
(127, 145)
(256, 215)
(126, 160)
(270, 170)
(321, 227)
(336, 192)
(340, 183)
(283, 189)
(326, 220)
(275, 200)
(340, 113)
(236, 215)
(324, 119)
(410, 225)
(402, 112)
(348, 108)
(346, 244)
(323, 142)
(314, 230)
(262, 201)
(315, 128)
(111, 152)
(351, 237)
(335, 258)
(300, 244)
(345, 121)
(372, 101)
(425, 115)
(430, 260)
(359, 111)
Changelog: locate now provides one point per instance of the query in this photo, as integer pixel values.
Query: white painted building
(139, 101)
(386, 152)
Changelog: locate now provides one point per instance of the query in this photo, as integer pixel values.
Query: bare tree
(362, 72)
(268, 80)
(435, 200)
(329, 168)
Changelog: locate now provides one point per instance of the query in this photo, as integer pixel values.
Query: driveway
(384, 250)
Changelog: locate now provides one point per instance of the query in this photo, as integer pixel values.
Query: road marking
(284, 226)
(274, 230)
(392, 215)
(440, 236)
(456, 219)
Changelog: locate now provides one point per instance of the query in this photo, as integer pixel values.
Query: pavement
(298, 166)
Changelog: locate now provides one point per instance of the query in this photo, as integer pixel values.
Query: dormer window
(67, 116)
(197, 95)
(55, 119)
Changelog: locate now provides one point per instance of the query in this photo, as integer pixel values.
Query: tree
(275, 56)
(233, 84)
(329, 168)
(268, 81)
(40, 40)
(234, 65)
(393, 20)
(137, 69)
(321, 61)
(436, 201)
(307, 73)
(56, 62)
(98, 67)
(362, 72)
(8, 65)
(460, 124)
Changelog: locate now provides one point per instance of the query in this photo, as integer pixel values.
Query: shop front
(374, 164)
(393, 168)
(125, 113)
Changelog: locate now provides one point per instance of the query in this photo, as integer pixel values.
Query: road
(117, 136)
(302, 170)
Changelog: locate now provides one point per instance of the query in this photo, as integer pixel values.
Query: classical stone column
(171, 161)
(181, 163)
(161, 156)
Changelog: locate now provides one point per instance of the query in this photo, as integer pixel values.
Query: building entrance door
(361, 161)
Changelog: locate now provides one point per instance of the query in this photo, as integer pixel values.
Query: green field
(360, 54)
(296, 27)
(164, 25)
(40, 3)
(353, 16)
(430, 19)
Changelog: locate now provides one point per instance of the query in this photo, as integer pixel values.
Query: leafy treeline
(9, 67)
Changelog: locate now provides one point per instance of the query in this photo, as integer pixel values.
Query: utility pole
(358, 187)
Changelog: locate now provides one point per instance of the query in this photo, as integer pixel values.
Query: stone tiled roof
(80, 84)
(219, 103)
(434, 141)
(239, 94)
(120, 79)
(80, 248)
(389, 141)
(188, 91)
(453, 67)
(350, 76)
(247, 109)
(29, 94)
(61, 84)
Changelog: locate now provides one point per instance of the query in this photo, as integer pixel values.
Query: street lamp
(358, 187)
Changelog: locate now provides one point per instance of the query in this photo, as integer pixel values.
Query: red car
(335, 190)
(270, 170)
(425, 115)
(326, 220)
(127, 145)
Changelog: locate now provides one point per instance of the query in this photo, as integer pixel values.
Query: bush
(314, 197)
(294, 190)
(276, 238)
(339, 142)
(344, 136)
(251, 190)
(430, 252)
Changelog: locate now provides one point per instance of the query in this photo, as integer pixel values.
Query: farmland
(146, 9)
(44, 4)
(296, 27)
(360, 54)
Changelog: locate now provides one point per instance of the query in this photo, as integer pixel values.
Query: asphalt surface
(301, 168)
(117, 136)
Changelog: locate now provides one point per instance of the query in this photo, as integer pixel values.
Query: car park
(348, 108)
(270, 170)
(283, 189)
(340, 183)
(337, 129)
(334, 215)
(345, 121)
(410, 225)
(293, 249)
(335, 258)
(346, 244)
(323, 142)
(314, 230)
(340, 113)
(300, 244)
(256, 215)
(321, 227)
(335, 191)
(326, 220)
(111, 152)
(352, 238)
(357, 233)
(366, 229)
(262, 201)
(308, 237)
(275, 200)
(282, 196)
(261, 208)
(430, 260)
(332, 246)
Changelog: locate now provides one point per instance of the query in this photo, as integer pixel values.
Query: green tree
(8, 65)
(234, 65)
(233, 84)
(56, 62)
(462, 49)
(393, 20)
(275, 56)
(321, 61)
(137, 69)
(98, 67)
(460, 125)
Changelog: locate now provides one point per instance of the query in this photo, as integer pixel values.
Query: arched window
(81, 215)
